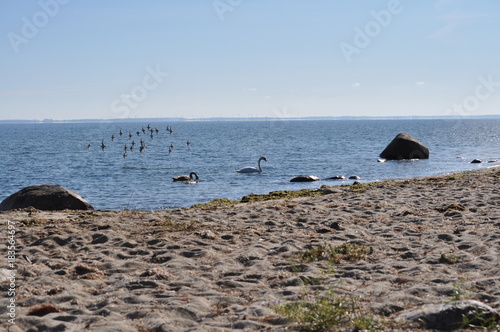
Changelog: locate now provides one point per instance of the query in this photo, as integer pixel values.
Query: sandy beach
(383, 248)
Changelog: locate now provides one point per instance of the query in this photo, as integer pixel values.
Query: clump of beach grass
(181, 226)
(480, 320)
(334, 254)
(327, 311)
(448, 259)
(281, 194)
(215, 203)
(273, 195)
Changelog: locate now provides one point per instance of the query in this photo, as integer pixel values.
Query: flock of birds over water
(152, 132)
(148, 131)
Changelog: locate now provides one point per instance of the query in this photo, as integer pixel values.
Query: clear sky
(76, 59)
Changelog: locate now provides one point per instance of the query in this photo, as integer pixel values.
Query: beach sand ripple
(428, 241)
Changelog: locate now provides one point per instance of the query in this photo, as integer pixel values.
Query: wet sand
(220, 268)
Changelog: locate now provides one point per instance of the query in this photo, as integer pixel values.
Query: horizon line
(228, 118)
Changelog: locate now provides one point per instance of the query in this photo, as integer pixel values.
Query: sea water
(58, 153)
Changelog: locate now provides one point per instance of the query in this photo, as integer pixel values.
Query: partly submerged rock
(476, 161)
(337, 177)
(47, 197)
(403, 146)
(453, 315)
(305, 178)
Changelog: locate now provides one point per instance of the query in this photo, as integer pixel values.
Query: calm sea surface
(57, 154)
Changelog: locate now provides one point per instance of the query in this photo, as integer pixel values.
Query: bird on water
(252, 169)
(191, 176)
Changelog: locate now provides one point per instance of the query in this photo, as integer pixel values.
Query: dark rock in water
(453, 315)
(338, 177)
(305, 178)
(476, 161)
(403, 146)
(45, 197)
(354, 177)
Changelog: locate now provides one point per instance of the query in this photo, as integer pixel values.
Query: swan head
(195, 176)
(263, 158)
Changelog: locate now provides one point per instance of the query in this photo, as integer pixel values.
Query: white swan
(252, 169)
(186, 177)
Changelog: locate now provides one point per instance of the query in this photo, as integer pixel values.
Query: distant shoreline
(214, 119)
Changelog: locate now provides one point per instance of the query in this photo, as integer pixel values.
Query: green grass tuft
(281, 194)
(215, 203)
(334, 254)
(182, 226)
(485, 321)
(444, 259)
(326, 312)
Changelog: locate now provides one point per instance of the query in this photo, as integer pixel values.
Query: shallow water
(58, 154)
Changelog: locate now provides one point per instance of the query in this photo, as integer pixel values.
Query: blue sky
(74, 59)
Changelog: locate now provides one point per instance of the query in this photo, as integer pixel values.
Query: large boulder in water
(47, 197)
(403, 146)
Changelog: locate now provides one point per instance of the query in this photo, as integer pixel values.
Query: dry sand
(224, 268)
